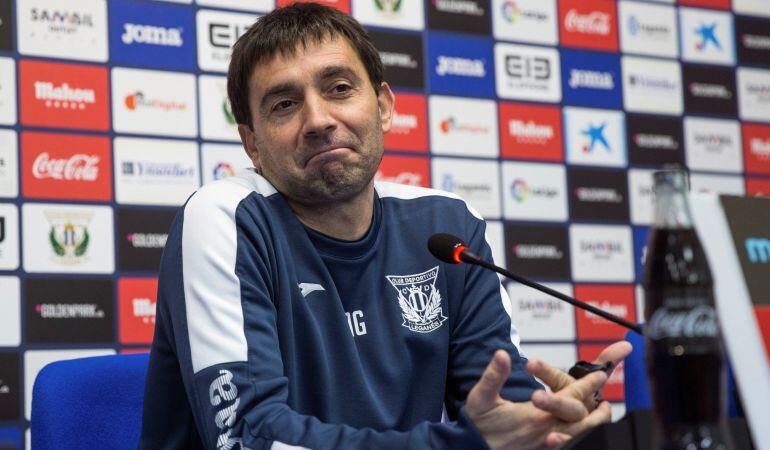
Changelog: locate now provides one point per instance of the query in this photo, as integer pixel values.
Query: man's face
(318, 123)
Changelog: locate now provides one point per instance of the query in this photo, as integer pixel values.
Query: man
(298, 306)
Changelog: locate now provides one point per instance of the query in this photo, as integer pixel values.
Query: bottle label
(697, 322)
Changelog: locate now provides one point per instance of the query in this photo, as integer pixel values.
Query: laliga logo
(511, 11)
(519, 190)
(596, 22)
(223, 170)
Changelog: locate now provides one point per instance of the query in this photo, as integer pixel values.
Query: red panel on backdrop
(66, 166)
(613, 390)
(409, 131)
(589, 24)
(618, 300)
(721, 4)
(64, 95)
(758, 187)
(530, 132)
(342, 5)
(137, 298)
(763, 319)
(412, 170)
(756, 148)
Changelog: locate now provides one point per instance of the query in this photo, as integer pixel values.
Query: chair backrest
(89, 403)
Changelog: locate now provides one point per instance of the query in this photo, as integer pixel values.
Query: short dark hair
(281, 31)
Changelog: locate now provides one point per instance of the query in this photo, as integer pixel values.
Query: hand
(508, 425)
(558, 380)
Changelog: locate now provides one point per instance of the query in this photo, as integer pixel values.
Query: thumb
(485, 395)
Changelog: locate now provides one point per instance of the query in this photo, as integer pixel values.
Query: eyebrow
(289, 87)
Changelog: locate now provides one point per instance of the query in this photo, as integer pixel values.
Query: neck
(347, 220)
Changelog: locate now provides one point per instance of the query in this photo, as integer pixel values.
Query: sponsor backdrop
(548, 116)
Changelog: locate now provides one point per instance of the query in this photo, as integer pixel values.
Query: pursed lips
(325, 149)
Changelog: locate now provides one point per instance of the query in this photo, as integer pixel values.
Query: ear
(249, 142)
(386, 101)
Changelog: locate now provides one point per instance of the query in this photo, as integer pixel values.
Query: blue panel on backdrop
(461, 65)
(640, 250)
(152, 35)
(10, 438)
(591, 79)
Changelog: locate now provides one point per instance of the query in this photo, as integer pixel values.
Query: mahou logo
(589, 23)
(530, 132)
(411, 170)
(66, 166)
(137, 305)
(756, 148)
(64, 95)
(408, 130)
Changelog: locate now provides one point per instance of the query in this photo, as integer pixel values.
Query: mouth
(326, 154)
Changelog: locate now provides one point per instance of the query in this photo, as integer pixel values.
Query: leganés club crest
(419, 299)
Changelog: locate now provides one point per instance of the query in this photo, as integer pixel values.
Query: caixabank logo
(142, 235)
(60, 311)
(152, 35)
(66, 166)
(64, 95)
(591, 79)
(707, 36)
(467, 16)
(460, 65)
(401, 56)
(588, 24)
(595, 137)
(410, 170)
(70, 30)
(709, 91)
(530, 131)
(540, 252)
(752, 38)
(654, 140)
(137, 299)
(409, 126)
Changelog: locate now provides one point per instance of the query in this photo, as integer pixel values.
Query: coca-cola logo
(595, 22)
(698, 322)
(78, 167)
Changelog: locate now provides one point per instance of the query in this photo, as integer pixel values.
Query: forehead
(305, 63)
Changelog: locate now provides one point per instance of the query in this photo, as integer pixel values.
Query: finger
(616, 353)
(550, 375)
(555, 439)
(585, 387)
(602, 414)
(562, 407)
(485, 395)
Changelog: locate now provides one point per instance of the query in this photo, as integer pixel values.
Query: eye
(283, 105)
(341, 88)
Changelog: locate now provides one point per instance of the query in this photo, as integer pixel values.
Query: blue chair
(89, 403)
(637, 389)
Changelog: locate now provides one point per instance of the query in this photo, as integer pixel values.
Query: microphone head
(443, 246)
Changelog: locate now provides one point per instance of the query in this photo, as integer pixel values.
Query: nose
(318, 117)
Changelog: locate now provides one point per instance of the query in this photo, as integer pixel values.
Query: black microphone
(452, 250)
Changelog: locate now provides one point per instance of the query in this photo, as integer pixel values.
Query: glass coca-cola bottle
(685, 359)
